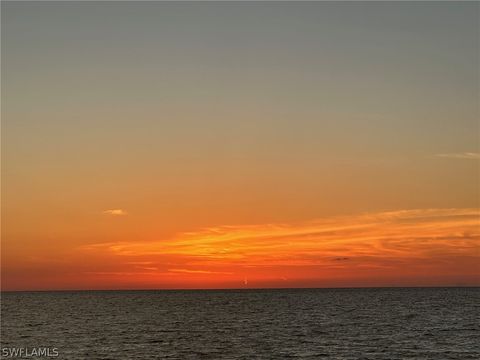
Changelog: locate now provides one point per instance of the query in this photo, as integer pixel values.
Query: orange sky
(239, 144)
(400, 248)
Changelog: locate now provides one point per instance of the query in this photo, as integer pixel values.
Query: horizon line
(252, 288)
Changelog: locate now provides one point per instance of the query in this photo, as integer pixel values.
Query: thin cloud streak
(464, 155)
(190, 271)
(427, 241)
(115, 212)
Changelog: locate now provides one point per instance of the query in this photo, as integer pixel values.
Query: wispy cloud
(464, 155)
(115, 212)
(193, 271)
(429, 241)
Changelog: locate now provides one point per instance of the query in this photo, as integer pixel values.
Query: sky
(168, 145)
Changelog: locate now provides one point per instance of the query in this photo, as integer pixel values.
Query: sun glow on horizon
(412, 247)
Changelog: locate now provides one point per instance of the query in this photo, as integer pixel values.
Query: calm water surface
(409, 323)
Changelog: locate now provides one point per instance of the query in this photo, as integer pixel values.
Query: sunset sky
(240, 145)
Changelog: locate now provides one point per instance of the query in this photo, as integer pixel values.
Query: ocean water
(397, 323)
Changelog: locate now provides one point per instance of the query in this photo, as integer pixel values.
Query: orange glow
(409, 247)
(165, 146)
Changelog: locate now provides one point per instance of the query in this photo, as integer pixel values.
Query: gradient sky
(269, 144)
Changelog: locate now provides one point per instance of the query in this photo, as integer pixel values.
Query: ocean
(380, 323)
